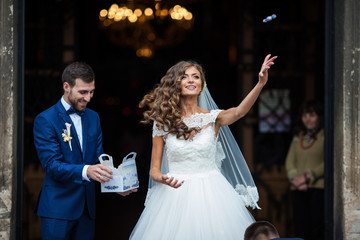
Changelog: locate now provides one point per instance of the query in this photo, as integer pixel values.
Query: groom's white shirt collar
(65, 104)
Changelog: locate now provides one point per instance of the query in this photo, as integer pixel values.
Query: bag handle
(108, 162)
(126, 158)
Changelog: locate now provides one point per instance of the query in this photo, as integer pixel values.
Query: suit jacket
(64, 193)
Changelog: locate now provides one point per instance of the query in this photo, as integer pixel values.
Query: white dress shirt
(76, 119)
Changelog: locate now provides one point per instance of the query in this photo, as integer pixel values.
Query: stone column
(346, 119)
(10, 78)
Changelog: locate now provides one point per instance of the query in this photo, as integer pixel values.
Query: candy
(269, 18)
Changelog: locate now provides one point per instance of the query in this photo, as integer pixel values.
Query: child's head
(261, 230)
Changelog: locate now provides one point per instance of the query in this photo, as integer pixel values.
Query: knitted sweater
(309, 160)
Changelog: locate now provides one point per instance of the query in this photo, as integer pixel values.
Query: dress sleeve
(157, 131)
(214, 114)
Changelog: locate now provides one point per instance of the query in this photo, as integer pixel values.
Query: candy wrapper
(124, 177)
(269, 18)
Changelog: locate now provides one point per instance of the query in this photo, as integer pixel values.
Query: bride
(200, 184)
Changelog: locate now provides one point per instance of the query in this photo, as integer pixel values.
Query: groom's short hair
(78, 70)
(261, 230)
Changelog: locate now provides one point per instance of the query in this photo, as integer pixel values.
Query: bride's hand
(263, 74)
(171, 181)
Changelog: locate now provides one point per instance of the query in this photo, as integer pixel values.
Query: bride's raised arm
(231, 115)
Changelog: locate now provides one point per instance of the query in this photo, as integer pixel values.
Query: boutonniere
(66, 134)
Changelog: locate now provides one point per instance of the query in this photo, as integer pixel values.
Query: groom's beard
(75, 103)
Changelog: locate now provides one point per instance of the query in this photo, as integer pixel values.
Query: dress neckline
(196, 114)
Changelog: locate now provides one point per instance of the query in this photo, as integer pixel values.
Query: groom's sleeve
(49, 153)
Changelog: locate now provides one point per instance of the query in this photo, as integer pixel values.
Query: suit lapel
(66, 118)
(84, 123)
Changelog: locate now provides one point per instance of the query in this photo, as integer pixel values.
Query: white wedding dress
(206, 206)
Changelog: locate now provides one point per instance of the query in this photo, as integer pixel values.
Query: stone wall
(8, 120)
(347, 120)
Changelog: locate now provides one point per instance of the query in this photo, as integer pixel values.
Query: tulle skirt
(205, 207)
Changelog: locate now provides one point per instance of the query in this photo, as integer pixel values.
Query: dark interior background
(217, 41)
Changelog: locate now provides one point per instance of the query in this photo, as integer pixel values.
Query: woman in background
(305, 170)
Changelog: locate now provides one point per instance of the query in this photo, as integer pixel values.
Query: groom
(68, 140)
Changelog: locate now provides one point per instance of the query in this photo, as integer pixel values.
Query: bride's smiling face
(191, 82)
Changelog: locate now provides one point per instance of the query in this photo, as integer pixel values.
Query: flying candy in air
(269, 18)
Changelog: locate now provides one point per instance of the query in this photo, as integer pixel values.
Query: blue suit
(64, 195)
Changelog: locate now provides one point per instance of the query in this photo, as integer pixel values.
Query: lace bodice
(201, 153)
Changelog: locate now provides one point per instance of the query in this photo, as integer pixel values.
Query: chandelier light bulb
(132, 18)
(188, 16)
(114, 6)
(148, 12)
(103, 13)
(138, 12)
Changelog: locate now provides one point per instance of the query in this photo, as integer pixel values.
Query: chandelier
(146, 25)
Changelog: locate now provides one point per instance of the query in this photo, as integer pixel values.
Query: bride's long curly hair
(164, 101)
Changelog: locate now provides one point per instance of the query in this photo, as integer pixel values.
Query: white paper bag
(124, 177)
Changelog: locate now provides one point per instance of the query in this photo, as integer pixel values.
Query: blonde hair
(164, 101)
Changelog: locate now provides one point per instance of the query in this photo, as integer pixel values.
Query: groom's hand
(99, 173)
